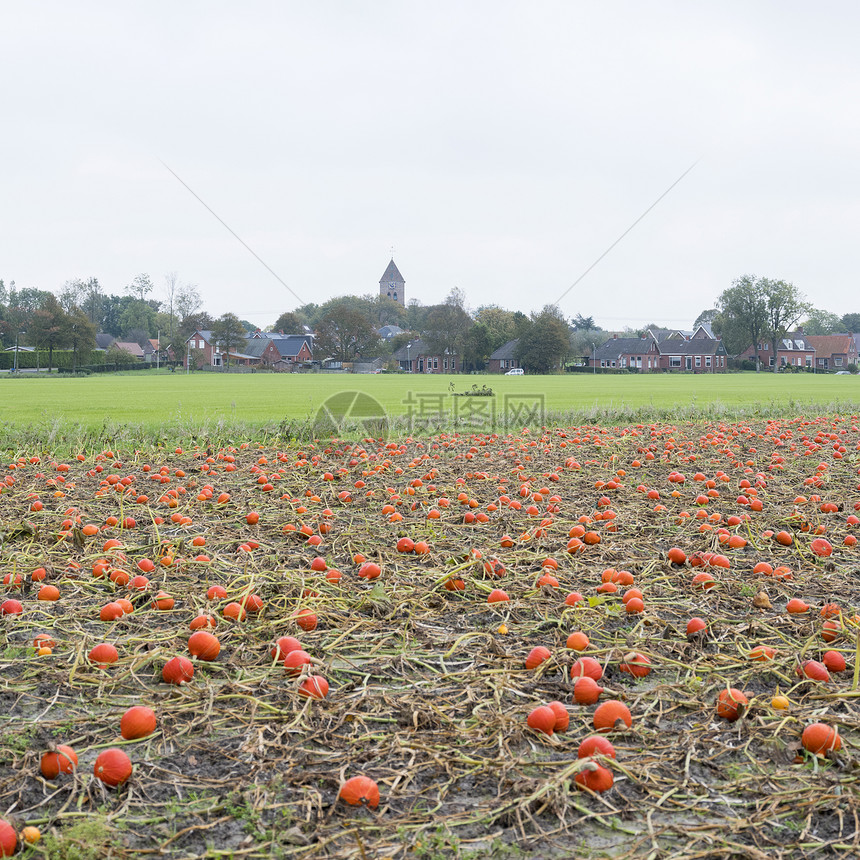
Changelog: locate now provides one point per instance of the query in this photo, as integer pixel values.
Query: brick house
(202, 343)
(134, 349)
(294, 348)
(698, 354)
(503, 359)
(663, 350)
(794, 349)
(417, 357)
(833, 351)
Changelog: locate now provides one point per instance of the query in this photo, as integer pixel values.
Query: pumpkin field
(582, 641)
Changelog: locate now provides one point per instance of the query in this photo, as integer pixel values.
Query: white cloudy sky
(499, 147)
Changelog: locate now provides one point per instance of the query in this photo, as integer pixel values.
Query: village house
(417, 357)
(275, 350)
(663, 350)
(794, 349)
(503, 359)
(131, 348)
(833, 351)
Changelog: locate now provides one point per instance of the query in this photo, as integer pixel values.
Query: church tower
(391, 284)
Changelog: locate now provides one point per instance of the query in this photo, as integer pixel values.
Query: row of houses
(276, 350)
(700, 351)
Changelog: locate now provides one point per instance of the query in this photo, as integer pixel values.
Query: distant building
(833, 351)
(392, 285)
(661, 350)
(417, 357)
(389, 332)
(794, 349)
(134, 349)
(503, 359)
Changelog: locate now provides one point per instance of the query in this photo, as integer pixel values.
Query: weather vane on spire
(392, 252)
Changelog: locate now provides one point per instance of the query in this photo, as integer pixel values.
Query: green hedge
(60, 358)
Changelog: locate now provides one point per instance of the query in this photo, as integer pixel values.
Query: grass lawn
(154, 398)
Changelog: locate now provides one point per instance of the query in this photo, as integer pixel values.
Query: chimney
(615, 337)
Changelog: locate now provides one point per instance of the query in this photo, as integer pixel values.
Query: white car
(843, 373)
(515, 371)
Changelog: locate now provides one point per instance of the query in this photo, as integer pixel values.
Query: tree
(822, 322)
(384, 311)
(71, 295)
(187, 301)
(139, 315)
(581, 323)
(544, 342)
(49, 327)
(743, 315)
(343, 333)
(137, 335)
(288, 323)
(501, 325)
(478, 348)
(171, 288)
(229, 334)
(199, 321)
(309, 314)
(447, 325)
(706, 316)
(851, 323)
(416, 313)
(93, 300)
(112, 308)
(140, 287)
(81, 334)
(785, 307)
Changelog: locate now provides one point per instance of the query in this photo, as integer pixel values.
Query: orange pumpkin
(636, 664)
(8, 839)
(294, 661)
(819, 738)
(203, 645)
(612, 715)
(360, 791)
(595, 776)
(731, 704)
(314, 687)
(537, 656)
(62, 760)
(104, 654)
(178, 671)
(595, 745)
(586, 691)
(112, 767)
(283, 646)
(137, 722)
(542, 719)
(562, 717)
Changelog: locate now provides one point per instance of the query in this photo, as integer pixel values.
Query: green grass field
(156, 399)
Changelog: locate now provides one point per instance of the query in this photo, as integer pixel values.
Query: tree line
(753, 310)
(346, 328)
(757, 310)
(71, 318)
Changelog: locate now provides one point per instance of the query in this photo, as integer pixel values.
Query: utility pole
(17, 334)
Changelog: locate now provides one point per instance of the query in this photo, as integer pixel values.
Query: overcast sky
(498, 147)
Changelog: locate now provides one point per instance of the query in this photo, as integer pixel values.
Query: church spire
(392, 285)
